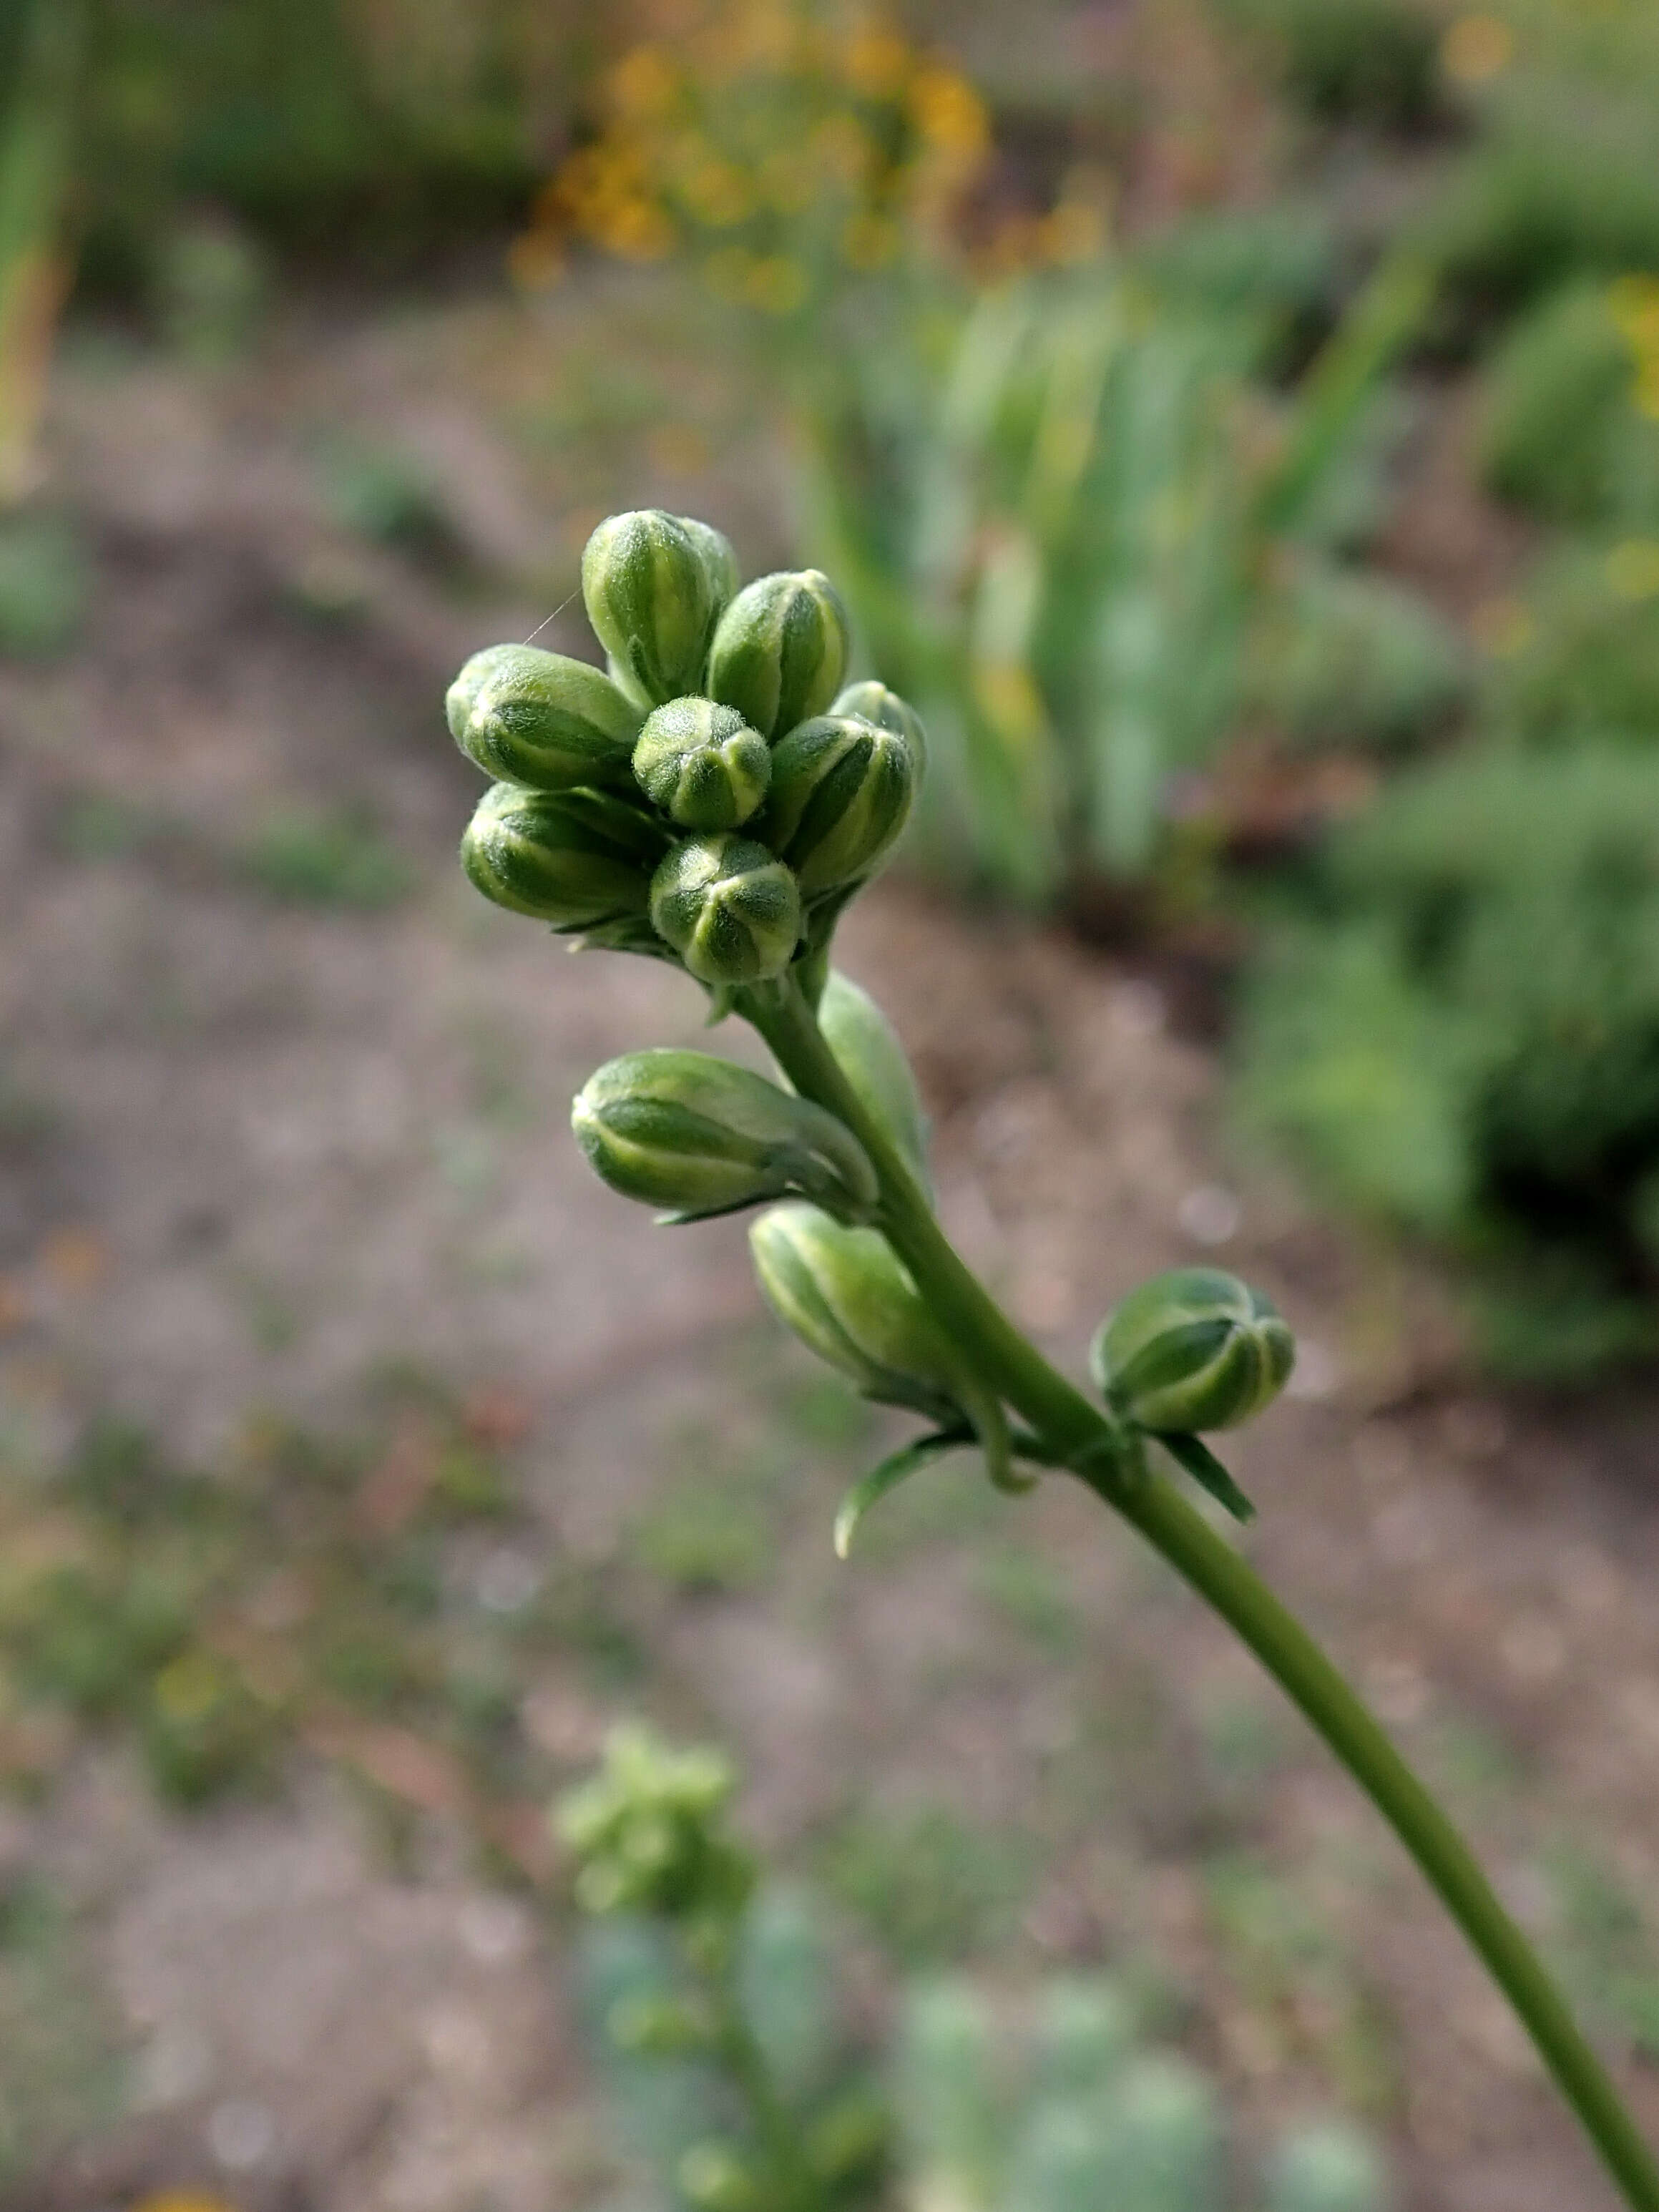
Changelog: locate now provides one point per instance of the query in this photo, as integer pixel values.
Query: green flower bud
(541, 719)
(869, 1054)
(577, 859)
(1191, 1350)
(703, 764)
(647, 1833)
(841, 794)
(845, 1294)
(702, 1136)
(780, 650)
(651, 600)
(729, 907)
(718, 559)
(874, 702)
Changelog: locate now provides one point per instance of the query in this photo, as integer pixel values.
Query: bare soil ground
(275, 1151)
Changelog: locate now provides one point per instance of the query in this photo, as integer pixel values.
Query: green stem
(1083, 1438)
(775, 2130)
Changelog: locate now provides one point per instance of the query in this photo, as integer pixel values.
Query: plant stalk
(1082, 1439)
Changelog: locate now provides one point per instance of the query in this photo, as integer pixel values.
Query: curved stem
(1081, 1438)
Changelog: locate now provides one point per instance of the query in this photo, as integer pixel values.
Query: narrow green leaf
(1206, 1470)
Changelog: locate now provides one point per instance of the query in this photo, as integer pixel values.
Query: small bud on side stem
(869, 1054)
(1193, 1350)
(845, 1294)
(700, 1136)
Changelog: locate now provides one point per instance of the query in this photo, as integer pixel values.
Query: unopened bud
(702, 1136)
(576, 858)
(719, 560)
(651, 600)
(845, 1295)
(729, 907)
(868, 1051)
(1191, 1350)
(780, 651)
(541, 719)
(703, 764)
(874, 702)
(841, 794)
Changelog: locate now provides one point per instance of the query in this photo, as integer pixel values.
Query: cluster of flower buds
(717, 796)
(698, 803)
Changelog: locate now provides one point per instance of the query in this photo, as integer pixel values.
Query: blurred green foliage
(1557, 179)
(62, 2073)
(1088, 540)
(1583, 657)
(1463, 1037)
(1366, 60)
(44, 584)
(1565, 434)
(325, 126)
(719, 2023)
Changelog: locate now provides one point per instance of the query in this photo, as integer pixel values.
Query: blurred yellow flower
(800, 132)
(1476, 49)
(1633, 303)
(1632, 568)
(948, 114)
(877, 61)
(645, 84)
(1073, 231)
(719, 193)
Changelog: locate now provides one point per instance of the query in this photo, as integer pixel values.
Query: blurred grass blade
(36, 132)
(1383, 320)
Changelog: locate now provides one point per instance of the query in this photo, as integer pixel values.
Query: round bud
(874, 702)
(841, 794)
(703, 764)
(717, 560)
(1191, 1350)
(702, 1136)
(868, 1051)
(646, 587)
(845, 1294)
(780, 650)
(729, 907)
(647, 1831)
(541, 719)
(576, 858)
